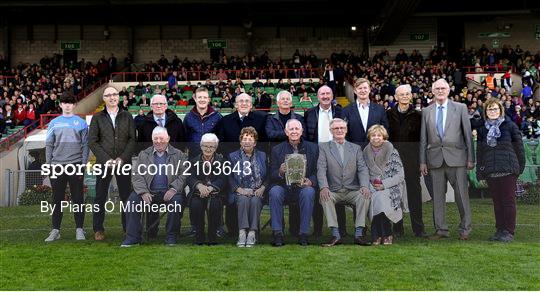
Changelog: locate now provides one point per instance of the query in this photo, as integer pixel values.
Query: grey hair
(337, 120)
(159, 130)
(209, 137)
(278, 96)
(442, 80)
(293, 120)
(157, 95)
(242, 95)
(405, 87)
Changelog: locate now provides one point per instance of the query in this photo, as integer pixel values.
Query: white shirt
(323, 131)
(331, 75)
(364, 114)
(445, 110)
(113, 116)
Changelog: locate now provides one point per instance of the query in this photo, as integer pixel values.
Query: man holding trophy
(293, 169)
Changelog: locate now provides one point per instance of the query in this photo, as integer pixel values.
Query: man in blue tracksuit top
(66, 144)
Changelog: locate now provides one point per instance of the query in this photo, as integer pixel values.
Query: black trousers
(414, 198)
(380, 226)
(59, 186)
(102, 191)
(212, 206)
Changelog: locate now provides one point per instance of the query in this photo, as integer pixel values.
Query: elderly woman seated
(206, 182)
(248, 185)
(387, 184)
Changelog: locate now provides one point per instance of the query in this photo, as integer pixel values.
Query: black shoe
(213, 243)
(421, 234)
(198, 243)
(191, 232)
(220, 232)
(278, 240)
(303, 240)
(496, 236)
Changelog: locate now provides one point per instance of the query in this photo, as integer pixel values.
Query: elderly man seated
(302, 192)
(157, 182)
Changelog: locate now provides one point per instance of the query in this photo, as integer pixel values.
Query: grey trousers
(348, 197)
(249, 211)
(457, 176)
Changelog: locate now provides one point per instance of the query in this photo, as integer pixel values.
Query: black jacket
(405, 134)
(229, 127)
(507, 157)
(174, 127)
(108, 142)
(311, 121)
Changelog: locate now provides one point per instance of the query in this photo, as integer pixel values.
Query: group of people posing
(359, 156)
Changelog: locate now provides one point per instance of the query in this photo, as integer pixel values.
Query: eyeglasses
(159, 104)
(208, 146)
(111, 95)
(339, 128)
(494, 109)
(440, 88)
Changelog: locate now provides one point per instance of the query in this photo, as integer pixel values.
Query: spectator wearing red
(20, 115)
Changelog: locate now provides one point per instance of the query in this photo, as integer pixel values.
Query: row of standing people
(441, 140)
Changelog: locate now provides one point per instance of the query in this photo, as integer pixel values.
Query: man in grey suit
(446, 150)
(157, 185)
(343, 177)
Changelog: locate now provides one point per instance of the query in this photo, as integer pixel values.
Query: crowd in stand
(32, 89)
(29, 90)
(384, 71)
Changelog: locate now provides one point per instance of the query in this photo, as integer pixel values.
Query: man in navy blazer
(362, 114)
(304, 194)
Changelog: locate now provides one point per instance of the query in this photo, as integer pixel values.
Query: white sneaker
(53, 235)
(241, 238)
(79, 234)
(251, 239)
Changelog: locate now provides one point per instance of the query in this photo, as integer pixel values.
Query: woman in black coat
(500, 161)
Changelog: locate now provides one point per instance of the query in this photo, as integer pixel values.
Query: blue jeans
(305, 196)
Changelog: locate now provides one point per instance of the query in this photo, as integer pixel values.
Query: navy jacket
(275, 129)
(507, 157)
(196, 126)
(356, 133)
(236, 177)
(229, 127)
(311, 120)
(174, 127)
(216, 179)
(311, 150)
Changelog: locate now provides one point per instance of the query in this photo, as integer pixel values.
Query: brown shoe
(463, 237)
(333, 242)
(362, 241)
(99, 236)
(437, 236)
